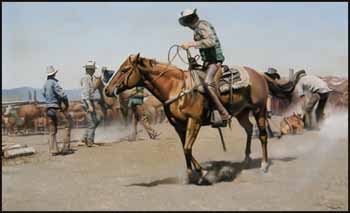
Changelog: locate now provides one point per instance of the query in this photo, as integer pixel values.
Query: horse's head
(126, 77)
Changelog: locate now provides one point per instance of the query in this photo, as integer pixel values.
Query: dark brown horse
(189, 112)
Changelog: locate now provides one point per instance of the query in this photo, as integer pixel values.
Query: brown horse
(12, 125)
(189, 112)
(29, 112)
(42, 123)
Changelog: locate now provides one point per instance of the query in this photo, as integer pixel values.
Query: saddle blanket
(240, 78)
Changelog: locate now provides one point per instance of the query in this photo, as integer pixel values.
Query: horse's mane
(154, 65)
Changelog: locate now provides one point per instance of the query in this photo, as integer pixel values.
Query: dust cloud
(112, 132)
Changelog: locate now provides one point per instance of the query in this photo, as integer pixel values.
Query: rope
(183, 92)
(178, 47)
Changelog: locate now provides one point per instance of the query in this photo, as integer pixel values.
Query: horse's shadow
(218, 171)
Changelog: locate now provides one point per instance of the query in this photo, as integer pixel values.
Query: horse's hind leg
(243, 119)
(261, 122)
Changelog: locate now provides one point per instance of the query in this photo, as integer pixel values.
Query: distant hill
(22, 94)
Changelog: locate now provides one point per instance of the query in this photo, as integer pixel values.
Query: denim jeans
(92, 122)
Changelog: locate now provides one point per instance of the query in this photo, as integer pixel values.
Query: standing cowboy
(87, 96)
(319, 91)
(207, 41)
(54, 97)
(137, 113)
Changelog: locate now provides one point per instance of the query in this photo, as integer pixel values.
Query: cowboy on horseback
(207, 41)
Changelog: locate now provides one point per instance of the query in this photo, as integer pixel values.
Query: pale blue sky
(311, 36)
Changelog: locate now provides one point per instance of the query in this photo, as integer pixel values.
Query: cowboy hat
(91, 65)
(50, 70)
(272, 72)
(188, 17)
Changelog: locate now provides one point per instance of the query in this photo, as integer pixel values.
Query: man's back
(311, 83)
(49, 93)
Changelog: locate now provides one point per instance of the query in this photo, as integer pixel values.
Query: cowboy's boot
(218, 105)
(53, 147)
(90, 143)
(66, 142)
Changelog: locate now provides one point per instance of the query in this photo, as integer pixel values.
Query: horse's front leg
(193, 127)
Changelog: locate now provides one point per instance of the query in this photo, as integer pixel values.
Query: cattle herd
(31, 118)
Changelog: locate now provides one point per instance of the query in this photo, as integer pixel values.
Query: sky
(310, 36)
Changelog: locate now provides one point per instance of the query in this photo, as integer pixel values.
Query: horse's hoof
(247, 162)
(204, 182)
(191, 177)
(204, 173)
(264, 167)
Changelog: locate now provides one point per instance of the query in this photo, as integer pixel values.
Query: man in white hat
(54, 97)
(207, 41)
(87, 96)
(319, 91)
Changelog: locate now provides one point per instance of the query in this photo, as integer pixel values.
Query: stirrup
(216, 120)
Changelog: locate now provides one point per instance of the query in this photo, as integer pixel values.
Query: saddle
(232, 77)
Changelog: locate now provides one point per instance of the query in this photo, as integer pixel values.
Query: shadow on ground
(218, 171)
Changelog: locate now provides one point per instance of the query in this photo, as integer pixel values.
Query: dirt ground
(307, 172)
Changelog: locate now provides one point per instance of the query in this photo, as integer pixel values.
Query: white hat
(50, 70)
(187, 12)
(91, 65)
(188, 17)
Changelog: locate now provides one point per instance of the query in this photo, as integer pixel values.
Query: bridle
(136, 67)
